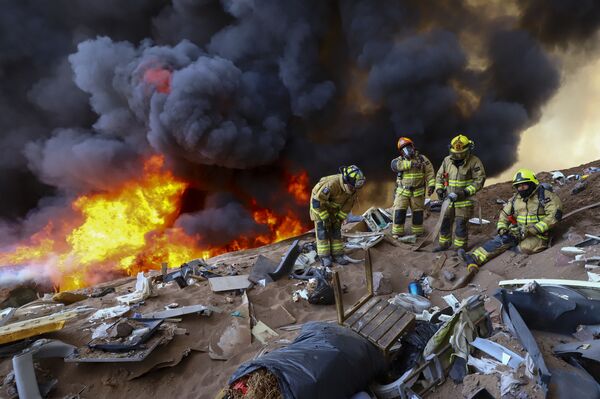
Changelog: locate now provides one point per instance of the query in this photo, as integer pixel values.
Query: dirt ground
(183, 367)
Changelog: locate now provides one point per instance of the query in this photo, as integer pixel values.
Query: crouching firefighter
(332, 198)
(414, 175)
(459, 178)
(524, 222)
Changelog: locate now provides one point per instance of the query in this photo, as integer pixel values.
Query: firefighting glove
(531, 231)
(452, 197)
(502, 231)
(341, 215)
(430, 190)
(441, 193)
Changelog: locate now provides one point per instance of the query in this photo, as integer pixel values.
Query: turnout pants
(499, 244)
(329, 237)
(458, 214)
(401, 204)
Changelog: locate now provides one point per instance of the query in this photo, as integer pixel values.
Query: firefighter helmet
(460, 146)
(403, 142)
(353, 176)
(406, 147)
(525, 176)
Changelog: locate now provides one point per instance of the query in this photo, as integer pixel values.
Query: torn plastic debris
(287, 261)
(559, 177)
(411, 302)
(143, 289)
(377, 219)
(498, 352)
(340, 364)
(169, 313)
(109, 313)
(363, 242)
(25, 378)
(572, 251)
(34, 327)
(478, 221)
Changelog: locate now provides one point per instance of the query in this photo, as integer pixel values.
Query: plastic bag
(325, 361)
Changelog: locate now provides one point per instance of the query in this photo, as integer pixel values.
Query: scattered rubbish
(478, 221)
(409, 239)
(589, 241)
(579, 187)
(452, 301)
(435, 315)
(101, 331)
(426, 285)
(596, 238)
(377, 219)
(340, 364)
(233, 337)
(319, 289)
(287, 262)
(100, 292)
(305, 260)
(485, 366)
(449, 275)
(591, 170)
(498, 352)
(237, 313)
(572, 251)
(500, 201)
(296, 295)
(508, 383)
(127, 335)
(382, 284)
(109, 313)
(25, 378)
(415, 288)
(411, 302)
(559, 177)
(170, 313)
(263, 332)
(364, 242)
(6, 315)
(34, 327)
(229, 283)
(68, 298)
(551, 282)
(587, 332)
(573, 177)
(275, 316)
(587, 349)
(172, 305)
(143, 289)
(261, 269)
(593, 277)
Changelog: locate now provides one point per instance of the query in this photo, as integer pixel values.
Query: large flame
(130, 229)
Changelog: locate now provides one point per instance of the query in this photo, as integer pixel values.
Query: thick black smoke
(258, 89)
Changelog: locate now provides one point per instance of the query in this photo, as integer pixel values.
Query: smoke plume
(237, 94)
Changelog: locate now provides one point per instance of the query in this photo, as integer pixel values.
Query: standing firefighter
(415, 173)
(459, 178)
(524, 222)
(331, 200)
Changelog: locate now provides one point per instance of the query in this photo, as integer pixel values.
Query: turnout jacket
(469, 176)
(331, 197)
(542, 209)
(413, 175)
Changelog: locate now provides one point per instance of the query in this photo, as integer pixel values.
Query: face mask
(527, 192)
(408, 151)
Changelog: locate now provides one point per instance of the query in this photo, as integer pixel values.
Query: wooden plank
(360, 312)
(376, 322)
(229, 283)
(399, 328)
(339, 303)
(370, 315)
(358, 305)
(387, 324)
(369, 272)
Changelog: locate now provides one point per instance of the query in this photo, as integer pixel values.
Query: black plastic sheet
(326, 361)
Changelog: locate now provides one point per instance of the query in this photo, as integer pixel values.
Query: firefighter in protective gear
(415, 174)
(331, 200)
(459, 178)
(524, 222)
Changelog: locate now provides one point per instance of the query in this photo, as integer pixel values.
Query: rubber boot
(326, 261)
(341, 260)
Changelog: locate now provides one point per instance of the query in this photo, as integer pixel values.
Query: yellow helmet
(525, 176)
(460, 147)
(353, 176)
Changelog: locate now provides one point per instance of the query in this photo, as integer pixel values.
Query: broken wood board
(263, 332)
(31, 328)
(229, 283)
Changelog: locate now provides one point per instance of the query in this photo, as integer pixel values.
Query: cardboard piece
(31, 328)
(263, 332)
(229, 283)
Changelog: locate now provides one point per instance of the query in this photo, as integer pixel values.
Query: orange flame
(298, 187)
(128, 230)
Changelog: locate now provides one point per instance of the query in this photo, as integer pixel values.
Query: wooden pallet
(371, 317)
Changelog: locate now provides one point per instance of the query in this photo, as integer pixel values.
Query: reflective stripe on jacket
(330, 196)
(413, 177)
